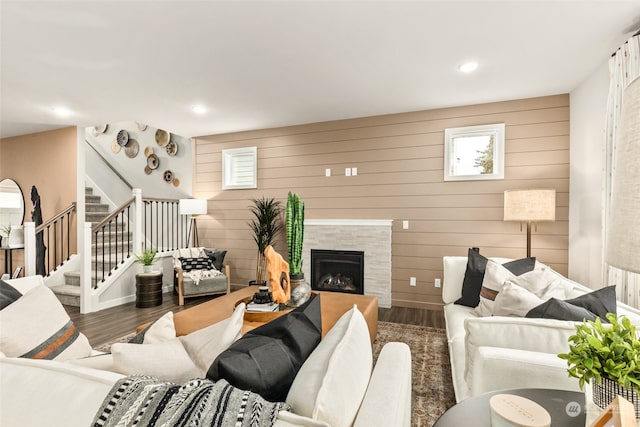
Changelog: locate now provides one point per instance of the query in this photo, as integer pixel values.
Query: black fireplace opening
(337, 271)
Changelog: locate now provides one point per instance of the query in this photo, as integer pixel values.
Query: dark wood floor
(112, 323)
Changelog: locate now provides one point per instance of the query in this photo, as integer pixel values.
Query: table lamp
(193, 207)
(530, 206)
(623, 236)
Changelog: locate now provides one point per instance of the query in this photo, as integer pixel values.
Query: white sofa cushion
(37, 326)
(162, 329)
(494, 277)
(35, 393)
(514, 300)
(333, 380)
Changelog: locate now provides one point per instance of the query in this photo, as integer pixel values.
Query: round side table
(567, 408)
(149, 289)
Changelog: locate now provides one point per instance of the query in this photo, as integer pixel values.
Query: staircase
(69, 293)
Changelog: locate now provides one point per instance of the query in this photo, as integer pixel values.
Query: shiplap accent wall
(400, 161)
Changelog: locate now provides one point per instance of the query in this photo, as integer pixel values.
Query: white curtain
(624, 67)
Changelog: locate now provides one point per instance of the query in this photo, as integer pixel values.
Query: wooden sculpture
(278, 276)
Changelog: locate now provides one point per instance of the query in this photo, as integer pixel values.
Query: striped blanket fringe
(147, 401)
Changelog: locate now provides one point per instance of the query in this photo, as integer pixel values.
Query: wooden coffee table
(333, 306)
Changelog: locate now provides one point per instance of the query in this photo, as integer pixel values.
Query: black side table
(567, 408)
(149, 289)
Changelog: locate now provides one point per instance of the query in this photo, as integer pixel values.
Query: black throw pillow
(474, 275)
(217, 256)
(266, 360)
(585, 307)
(8, 294)
(189, 264)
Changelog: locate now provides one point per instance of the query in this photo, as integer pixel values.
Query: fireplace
(337, 271)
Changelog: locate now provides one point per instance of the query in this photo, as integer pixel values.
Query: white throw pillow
(162, 329)
(494, 277)
(333, 380)
(204, 345)
(36, 326)
(167, 361)
(514, 300)
(543, 282)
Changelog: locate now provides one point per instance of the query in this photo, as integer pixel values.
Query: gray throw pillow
(585, 307)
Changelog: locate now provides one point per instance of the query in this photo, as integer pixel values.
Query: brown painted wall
(48, 161)
(400, 176)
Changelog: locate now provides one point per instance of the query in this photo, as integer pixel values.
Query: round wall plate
(168, 176)
(141, 126)
(115, 147)
(100, 128)
(172, 148)
(148, 170)
(122, 137)
(131, 150)
(176, 182)
(162, 137)
(153, 161)
(148, 150)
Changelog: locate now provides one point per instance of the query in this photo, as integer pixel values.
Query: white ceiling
(259, 64)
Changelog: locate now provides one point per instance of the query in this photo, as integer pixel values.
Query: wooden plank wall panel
(400, 176)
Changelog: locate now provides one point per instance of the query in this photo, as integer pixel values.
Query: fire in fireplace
(337, 271)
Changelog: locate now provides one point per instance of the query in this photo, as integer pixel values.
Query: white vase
(147, 268)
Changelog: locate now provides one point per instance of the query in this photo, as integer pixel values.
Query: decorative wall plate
(162, 137)
(147, 170)
(176, 182)
(153, 162)
(172, 148)
(131, 150)
(122, 137)
(168, 176)
(141, 126)
(148, 150)
(100, 128)
(115, 147)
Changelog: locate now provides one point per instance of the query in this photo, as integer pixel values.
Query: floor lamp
(623, 236)
(530, 206)
(193, 207)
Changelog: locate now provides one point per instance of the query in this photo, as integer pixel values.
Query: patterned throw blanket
(146, 401)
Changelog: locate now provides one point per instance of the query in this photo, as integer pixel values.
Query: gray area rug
(432, 385)
(431, 371)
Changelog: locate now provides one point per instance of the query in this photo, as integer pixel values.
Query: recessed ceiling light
(468, 67)
(199, 109)
(61, 111)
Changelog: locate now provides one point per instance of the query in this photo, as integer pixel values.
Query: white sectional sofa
(498, 352)
(338, 384)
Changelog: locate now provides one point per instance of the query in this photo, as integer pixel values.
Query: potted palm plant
(608, 356)
(265, 226)
(146, 258)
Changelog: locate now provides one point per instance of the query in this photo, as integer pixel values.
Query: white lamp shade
(623, 236)
(193, 206)
(530, 205)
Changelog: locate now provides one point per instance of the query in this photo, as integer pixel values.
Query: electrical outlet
(347, 171)
(327, 172)
(405, 225)
(437, 283)
(354, 171)
(412, 281)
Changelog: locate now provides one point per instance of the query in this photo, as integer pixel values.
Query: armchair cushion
(198, 263)
(217, 256)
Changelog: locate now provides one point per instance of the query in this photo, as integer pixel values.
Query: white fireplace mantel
(371, 236)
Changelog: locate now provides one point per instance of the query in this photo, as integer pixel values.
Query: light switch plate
(437, 283)
(347, 171)
(327, 172)
(405, 225)
(412, 281)
(354, 171)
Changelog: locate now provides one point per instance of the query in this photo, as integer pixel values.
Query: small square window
(240, 168)
(474, 153)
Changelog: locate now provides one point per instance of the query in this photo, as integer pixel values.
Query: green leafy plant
(265, 226)
(5, 230)
(295, 232)
(146, 257)
(599, 351)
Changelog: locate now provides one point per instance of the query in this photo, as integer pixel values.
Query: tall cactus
(295, 232)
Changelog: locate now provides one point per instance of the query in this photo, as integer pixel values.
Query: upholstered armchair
(200, 271)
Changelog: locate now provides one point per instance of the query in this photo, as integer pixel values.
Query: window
(240, 168)
(474, 152)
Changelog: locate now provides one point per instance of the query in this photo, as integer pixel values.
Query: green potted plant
(265, 226)
(146, 258)
(607, 356)
(4, 232)
(300, 290)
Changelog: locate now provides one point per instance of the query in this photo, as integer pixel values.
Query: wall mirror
(474, 152)
(11, 204)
